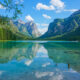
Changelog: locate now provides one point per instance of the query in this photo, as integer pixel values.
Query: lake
(39, 60)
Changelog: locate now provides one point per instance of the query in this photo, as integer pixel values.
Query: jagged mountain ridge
(32, 29)
(28, 28)
(60, 27)
(21, 26)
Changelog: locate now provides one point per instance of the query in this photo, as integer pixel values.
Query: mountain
(74, 35)
(21, 27)
(8, 31)
(28, 28)
(32, 29)
(64, 29)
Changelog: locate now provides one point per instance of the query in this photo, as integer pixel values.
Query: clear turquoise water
(36, 60)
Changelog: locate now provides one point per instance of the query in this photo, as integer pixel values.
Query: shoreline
(37, 41)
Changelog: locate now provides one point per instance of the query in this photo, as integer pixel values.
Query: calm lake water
(36, 60)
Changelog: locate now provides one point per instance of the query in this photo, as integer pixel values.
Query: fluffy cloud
(40, 6)
(54, 4)
(44, 25)
(29, 18)
(2, 7)
(43, 30)
(57, 3)
(46, 16)
(38, 24)
(71, 10)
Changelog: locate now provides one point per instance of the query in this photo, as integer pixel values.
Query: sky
(43, 12)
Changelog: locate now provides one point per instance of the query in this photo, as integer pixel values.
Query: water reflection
(39, 61)
(65, 53)
(17, 51)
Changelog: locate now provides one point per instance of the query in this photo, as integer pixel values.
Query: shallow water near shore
(40, 60)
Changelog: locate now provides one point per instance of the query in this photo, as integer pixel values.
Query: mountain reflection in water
(39, 60)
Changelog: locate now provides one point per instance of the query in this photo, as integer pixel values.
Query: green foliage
(12, 6)
(74, 35)
(10, 32)
(4, 20)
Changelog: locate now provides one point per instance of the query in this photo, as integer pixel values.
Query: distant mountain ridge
(64, 27)
(21, 27)
(28, 28)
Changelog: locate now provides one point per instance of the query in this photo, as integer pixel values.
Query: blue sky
(42, 12)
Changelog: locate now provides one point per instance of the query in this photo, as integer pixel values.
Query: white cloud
(29, 18)
(67, 10)
(2, 7)
(40, 6)
(46, 16)
(43, 30)
(44, 25)
(38, 24)
(57, 3)
(71, 10)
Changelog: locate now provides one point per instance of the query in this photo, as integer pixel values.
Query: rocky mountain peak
(29, 28)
